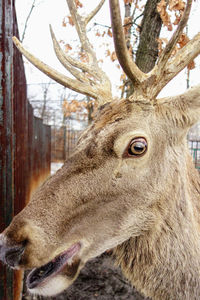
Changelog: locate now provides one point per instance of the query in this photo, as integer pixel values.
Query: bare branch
(79, 87)
(102, 25)
(27, 19)
(175, 37)
(129, 67)
(94, 12)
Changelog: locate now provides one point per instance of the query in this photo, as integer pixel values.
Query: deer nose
(10, 255)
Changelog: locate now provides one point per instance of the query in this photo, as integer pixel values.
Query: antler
(174, 39)
(151, 84)
(126, 62)
(166, 70)
(89, 78)
(92, 81)
(183, 57)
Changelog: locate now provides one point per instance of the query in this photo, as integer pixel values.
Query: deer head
(119, 184)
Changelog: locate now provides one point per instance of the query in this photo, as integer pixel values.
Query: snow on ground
(55, 167)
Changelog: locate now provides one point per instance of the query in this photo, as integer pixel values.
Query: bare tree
(45, 89)
(27, 20)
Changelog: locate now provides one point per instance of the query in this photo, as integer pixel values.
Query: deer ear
(184, 109)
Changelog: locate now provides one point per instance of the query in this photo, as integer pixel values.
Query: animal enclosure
(63, 142)
(194, 146)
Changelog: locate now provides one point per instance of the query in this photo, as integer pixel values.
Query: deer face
(102, 196)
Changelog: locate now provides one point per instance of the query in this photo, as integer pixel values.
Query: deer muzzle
(10, 255)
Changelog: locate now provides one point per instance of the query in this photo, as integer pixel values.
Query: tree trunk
(147, 52)
(90, 109)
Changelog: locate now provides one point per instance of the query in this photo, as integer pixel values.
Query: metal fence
(25, 143)
(194, 147)
(63, 142)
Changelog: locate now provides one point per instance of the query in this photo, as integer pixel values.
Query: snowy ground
(55, 167)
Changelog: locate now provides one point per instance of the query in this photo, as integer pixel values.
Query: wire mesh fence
(63, 142)
(194, 147)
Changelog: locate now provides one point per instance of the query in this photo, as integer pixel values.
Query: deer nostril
(13, 255)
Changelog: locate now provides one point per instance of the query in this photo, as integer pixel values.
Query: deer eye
(136, 148)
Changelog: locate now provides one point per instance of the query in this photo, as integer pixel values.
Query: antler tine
(94, 12)
(183, 57)
(175, 37)
(64, 61)
(73, 62)
(77, 86)
(127, 64)
(98, 85)
(80, 24)
(166, 69)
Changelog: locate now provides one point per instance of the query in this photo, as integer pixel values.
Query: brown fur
(147, 208)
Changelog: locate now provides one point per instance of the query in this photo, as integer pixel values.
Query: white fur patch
(2, 239)
(52, 287)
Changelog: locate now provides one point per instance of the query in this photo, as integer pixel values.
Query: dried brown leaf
(64, 24)
(108, 53)
(109, 33)
(70, 20)
(183, 40)
(126, 2)
(123, 77)
(83, 57)
(98, 33)
(68, 47)
(176, 5)
(191, 65)
(161, 44)
(78, 3)
(178, 18)
(162, 9)
(113, 56)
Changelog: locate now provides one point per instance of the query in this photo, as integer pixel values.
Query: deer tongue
(61, 263)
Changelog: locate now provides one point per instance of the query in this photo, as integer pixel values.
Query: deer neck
(164, 263)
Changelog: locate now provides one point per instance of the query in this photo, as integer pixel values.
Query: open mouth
(66, 263)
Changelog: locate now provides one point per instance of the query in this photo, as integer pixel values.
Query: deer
(129, 185)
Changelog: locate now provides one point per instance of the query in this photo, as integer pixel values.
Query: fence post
(17, 141)
(6, 128)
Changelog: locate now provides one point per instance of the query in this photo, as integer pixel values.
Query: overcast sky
(38, 39)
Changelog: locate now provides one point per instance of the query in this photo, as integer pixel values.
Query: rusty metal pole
(6, 138)
(24, 141)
